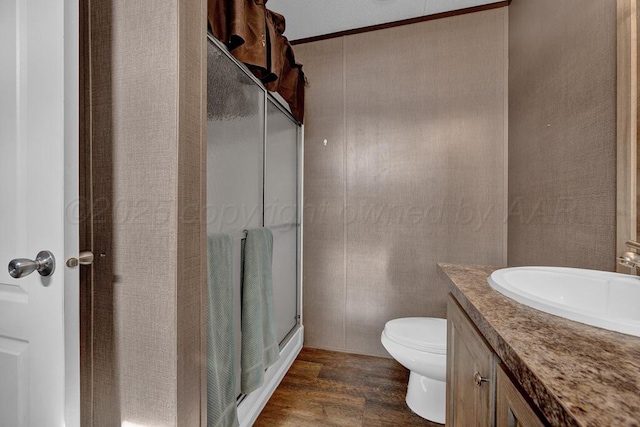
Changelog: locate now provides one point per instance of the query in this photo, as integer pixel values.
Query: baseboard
(252, 404)
(384, 355)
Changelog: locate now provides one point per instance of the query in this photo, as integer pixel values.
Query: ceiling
(310, 18)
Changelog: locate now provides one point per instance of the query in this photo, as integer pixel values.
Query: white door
(39, 368)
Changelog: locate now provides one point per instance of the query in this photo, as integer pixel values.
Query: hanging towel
(222, 409)
(259, 343)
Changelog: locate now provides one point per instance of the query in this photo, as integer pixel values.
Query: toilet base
(426, 397)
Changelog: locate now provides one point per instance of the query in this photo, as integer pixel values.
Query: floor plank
(328, 388)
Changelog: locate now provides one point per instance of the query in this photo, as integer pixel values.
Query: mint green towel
(222, 409)
(259, 343)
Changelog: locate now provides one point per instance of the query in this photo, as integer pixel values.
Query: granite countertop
(578, 375)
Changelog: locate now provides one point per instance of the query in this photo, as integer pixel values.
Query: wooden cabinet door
(470, 399)
(511, 407)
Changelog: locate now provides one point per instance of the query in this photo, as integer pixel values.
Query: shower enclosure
(254, 151)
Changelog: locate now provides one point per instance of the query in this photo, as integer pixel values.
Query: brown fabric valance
(255, 36)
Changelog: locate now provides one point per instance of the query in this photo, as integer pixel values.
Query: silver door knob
(45, 264)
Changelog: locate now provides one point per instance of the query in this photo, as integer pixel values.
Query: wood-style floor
(326, 388)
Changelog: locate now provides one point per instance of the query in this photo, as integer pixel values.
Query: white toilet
(420, 345)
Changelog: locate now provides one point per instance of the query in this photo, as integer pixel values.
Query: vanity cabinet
(512, 409)
(470, 373)
(479, 391)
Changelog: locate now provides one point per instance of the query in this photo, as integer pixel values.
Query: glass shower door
(235, 145)
(252, 180)
(281, 214)
(235, 162)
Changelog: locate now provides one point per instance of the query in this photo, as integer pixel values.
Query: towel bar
(243, 234)
(240, 235)
(286, 225)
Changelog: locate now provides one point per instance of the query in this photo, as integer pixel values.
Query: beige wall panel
(135, 177)
(324, 286)
(424, 109)
(425, 138)
(147, 69)
(562, 133)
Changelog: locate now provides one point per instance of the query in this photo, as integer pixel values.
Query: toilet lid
(421, 333)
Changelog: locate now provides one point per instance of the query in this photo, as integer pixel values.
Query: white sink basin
(598, 298)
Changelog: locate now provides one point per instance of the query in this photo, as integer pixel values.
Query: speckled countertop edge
(578, 375)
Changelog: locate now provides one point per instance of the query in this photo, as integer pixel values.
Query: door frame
(71, 196)
(627, 125)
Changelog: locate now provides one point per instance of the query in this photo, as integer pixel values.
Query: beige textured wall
(146, 121)
(413, 172)
(562, 133)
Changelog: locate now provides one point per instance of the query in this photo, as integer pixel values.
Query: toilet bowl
(420, 345)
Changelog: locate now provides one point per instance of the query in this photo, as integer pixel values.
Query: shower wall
(405, 167)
